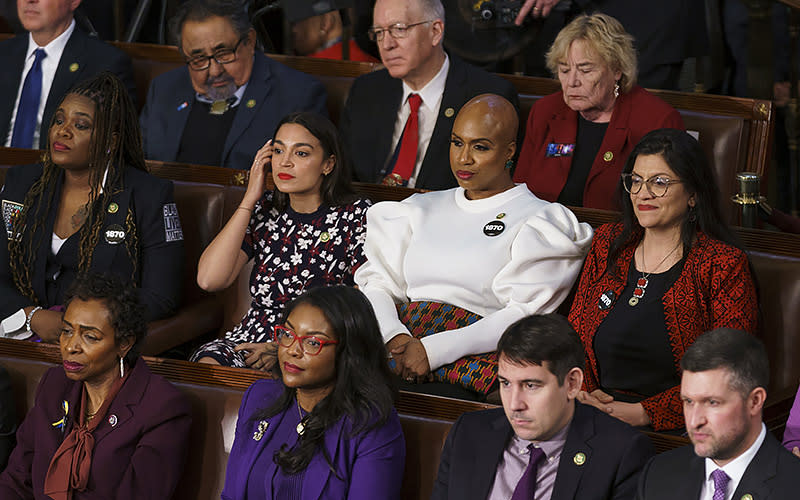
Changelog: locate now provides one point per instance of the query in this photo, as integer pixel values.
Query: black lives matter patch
(11, 210)
(172, 223)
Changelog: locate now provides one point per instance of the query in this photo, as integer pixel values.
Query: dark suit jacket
(615, 453)
(366, 466)
(8, 418)
(160, 264)
(369, 116)
(772, 474)
(91, 55)
(274, 91)
(551, 121)
(141, 456)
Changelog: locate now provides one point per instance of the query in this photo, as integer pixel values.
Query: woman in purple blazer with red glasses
(328, 428)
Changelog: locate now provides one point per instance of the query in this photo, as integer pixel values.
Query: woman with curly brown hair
(89, 205)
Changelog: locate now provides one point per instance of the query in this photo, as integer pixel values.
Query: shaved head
(495, 114)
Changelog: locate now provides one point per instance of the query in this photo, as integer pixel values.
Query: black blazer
(368, 119)
(160, 241)
(91, 56)
(680, 473)
(615, 454)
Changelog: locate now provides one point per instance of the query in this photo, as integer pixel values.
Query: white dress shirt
(734, 469)
(53, 50)
(431, 95)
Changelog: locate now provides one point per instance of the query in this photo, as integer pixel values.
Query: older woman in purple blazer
(327, 429)
(102, 425)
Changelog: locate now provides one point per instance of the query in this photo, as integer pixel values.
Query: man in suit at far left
(732, 456)
(39, 67)
(542, 444)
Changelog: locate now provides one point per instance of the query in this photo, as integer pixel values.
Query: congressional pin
(494, 228)
(500, 215)
(73, 67)
(114, 234)
(251, 103)
(113, 208)
(113, 420)
(259, 433)
(606, 300)
(747, 496)
(449, 112)
(579, 458)
(608, 156)
(325, 237)
(219, 107)
(556, 150)
(183, 106)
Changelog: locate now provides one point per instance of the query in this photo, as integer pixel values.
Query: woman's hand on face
(260, 356)
(256, 185)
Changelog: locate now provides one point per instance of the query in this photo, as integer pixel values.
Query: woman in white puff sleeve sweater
(448, 271)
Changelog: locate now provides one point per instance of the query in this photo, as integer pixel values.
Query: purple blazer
(366, 466)
(791, 436)
(140, 447)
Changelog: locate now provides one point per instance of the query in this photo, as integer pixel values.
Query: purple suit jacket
(140, 456)
(791, 436)
(366, 466)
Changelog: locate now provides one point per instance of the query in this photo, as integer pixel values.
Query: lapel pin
(579, 458)
(493, 228)
(608, 156)
(73, 67)
(183, 106)
(325, 237)
(500, 215)
(251, 103)
(114, 234)
(113, 420)
(59, 424)
(449, 112)
(747, 496)
(262, 427)
(113, 208)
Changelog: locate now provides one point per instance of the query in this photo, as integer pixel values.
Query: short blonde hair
(606, 37)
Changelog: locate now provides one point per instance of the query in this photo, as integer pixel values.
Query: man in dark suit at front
(40, 66)
(225, 103)
(542, 444)
(732, 456)
(396, 122)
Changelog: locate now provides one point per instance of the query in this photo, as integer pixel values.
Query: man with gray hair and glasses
(225, 103)
(396, 123)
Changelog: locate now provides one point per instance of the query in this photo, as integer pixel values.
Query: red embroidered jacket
(715, 289)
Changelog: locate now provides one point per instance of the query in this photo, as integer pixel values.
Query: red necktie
(409, 142)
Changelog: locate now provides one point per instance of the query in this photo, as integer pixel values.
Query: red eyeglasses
(311, 344)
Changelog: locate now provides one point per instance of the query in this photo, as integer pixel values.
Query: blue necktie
(25, 122)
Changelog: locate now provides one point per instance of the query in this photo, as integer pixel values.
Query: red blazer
(551, 121)
(715, 289)
(140, 456)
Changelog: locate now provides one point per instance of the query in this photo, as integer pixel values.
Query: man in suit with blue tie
(225, 103)
(40, 66)
(732, 456)
(542, 444)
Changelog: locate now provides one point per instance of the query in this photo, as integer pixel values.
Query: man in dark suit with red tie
(542, 443)
(732, 456)
(40, 66)
(396, 122)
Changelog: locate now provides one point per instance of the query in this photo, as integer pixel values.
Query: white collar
(736, 467)
(432, 92)
(56, 46)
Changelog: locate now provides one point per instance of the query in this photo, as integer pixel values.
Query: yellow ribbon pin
(60, 424)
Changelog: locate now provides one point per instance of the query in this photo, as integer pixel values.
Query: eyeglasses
(656, 185)
(310, 344)
(397, 30)
(222, 56)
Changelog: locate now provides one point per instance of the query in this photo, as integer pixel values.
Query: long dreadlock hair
(116, 145)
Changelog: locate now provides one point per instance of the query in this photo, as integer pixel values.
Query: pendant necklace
(642, 281)
(301, 427)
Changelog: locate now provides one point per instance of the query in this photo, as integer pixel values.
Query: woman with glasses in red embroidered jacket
(327, 429)
(669, 271)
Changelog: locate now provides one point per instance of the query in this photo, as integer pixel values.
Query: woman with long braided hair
(89, 205)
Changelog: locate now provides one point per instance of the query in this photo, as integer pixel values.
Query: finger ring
(409, 379)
